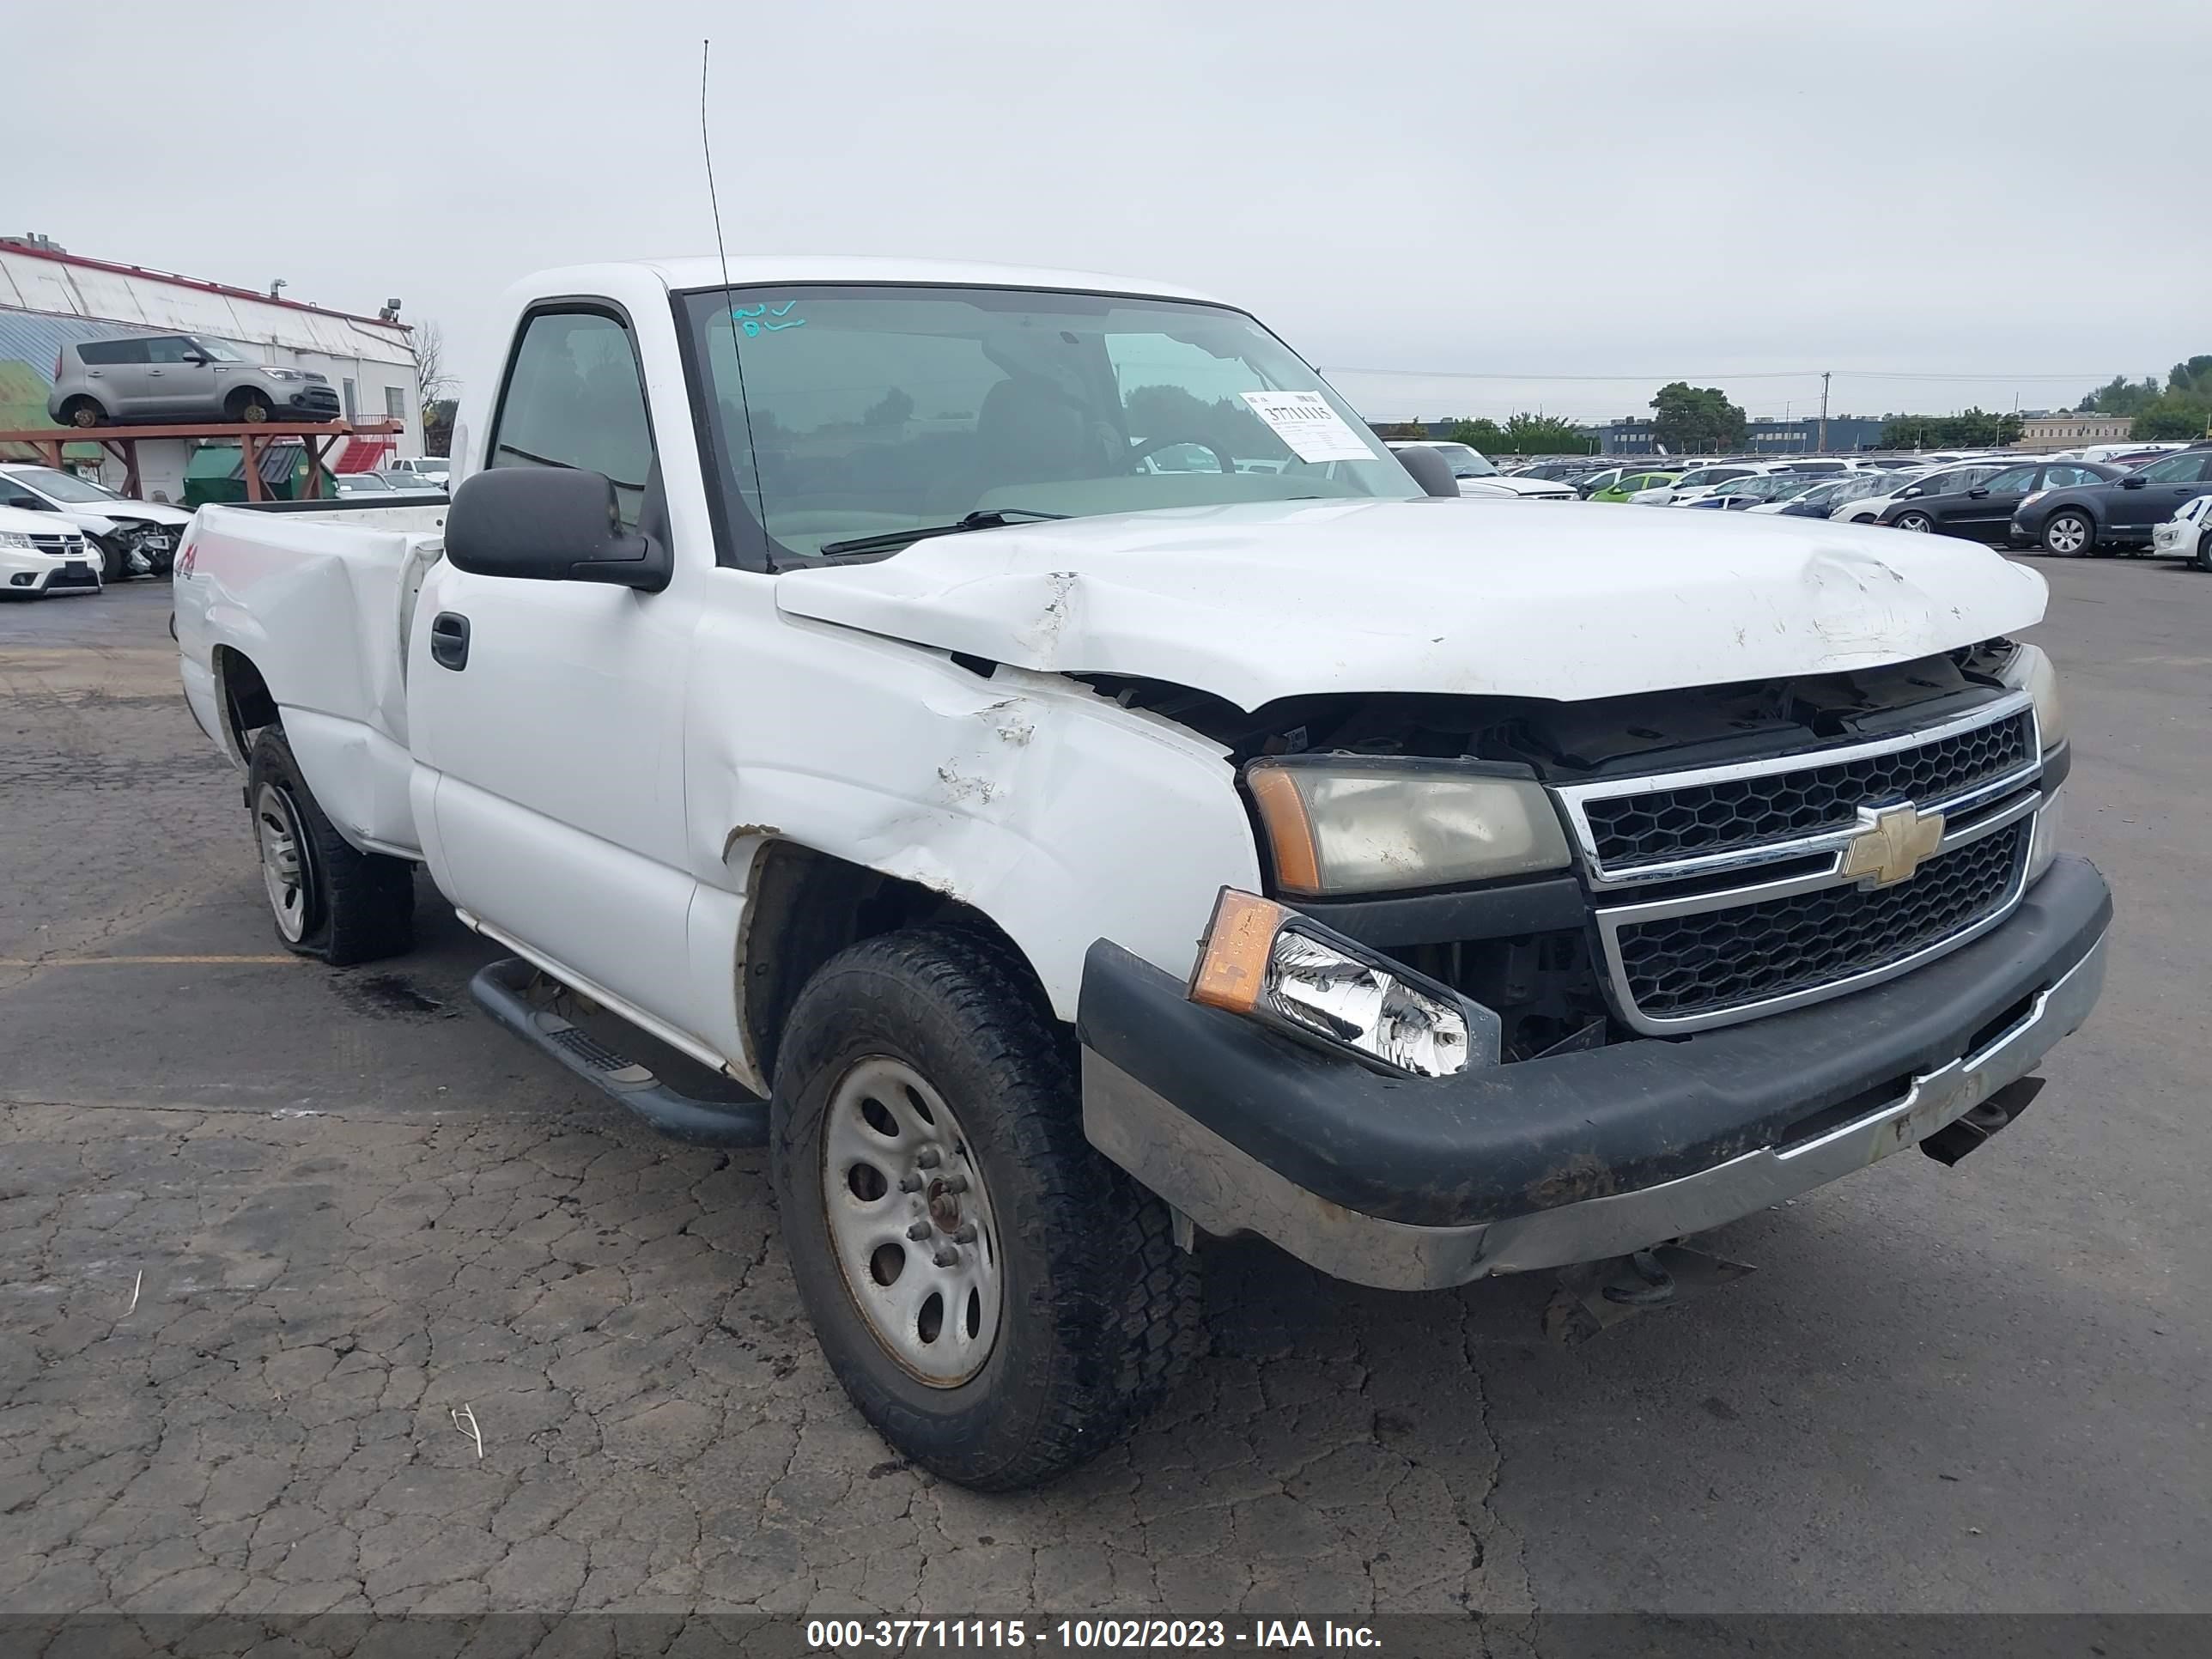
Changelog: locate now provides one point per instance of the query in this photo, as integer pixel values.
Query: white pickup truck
(1064, 858)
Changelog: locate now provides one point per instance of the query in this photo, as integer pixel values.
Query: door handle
(449, 640)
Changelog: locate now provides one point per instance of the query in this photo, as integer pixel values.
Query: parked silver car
(179, 377)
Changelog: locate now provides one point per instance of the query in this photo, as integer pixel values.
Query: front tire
(114, 561)
(2068, 534)
(926, 1122)
(2204, 551)
(250, 408)
(326, 899)
(1918, 523)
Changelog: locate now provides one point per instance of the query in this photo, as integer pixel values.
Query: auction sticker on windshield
(1314, 431)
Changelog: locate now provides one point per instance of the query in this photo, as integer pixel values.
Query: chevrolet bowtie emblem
(1895, 841)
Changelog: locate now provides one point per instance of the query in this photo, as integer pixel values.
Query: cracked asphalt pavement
(279, 1245)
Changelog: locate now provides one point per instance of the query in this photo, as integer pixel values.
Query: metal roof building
(50, 298)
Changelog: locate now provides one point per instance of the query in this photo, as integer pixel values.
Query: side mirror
(1429, 470)
(2131, 484)
(198, 359)
(551, 524)
(1909, 492)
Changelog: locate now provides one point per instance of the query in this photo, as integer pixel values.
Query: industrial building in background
(1801, 436)
(50, 298)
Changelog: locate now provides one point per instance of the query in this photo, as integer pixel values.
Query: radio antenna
(729, 314)
(707, 148)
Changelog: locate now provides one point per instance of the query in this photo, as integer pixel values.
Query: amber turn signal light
(1232, 956)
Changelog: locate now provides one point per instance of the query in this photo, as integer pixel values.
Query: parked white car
(41, 555)
(2187, 534)
(1066, 862)
(1477, 477)
(130, 537)
(431, 469)
(1697, 480)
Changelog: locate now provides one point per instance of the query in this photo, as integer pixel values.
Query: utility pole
(1823, 448)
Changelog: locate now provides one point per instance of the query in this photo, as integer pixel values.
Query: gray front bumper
(1226, 1191)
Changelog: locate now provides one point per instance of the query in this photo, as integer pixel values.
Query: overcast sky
(2009, 195)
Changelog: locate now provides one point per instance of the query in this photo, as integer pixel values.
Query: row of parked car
(2069, 504)
(61, 533)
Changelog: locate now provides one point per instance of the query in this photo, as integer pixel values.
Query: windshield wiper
(995, 517)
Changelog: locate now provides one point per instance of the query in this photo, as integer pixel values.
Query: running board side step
(499, 989)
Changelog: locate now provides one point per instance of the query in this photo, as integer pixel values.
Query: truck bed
(316, 601)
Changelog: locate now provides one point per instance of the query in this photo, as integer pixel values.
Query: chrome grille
(48, 544)
(1736, 812)
(1720, 817)
(1700, 963)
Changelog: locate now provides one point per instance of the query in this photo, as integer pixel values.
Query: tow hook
(1962, 1136)
(1594, 1295)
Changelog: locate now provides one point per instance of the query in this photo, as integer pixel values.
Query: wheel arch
(803, 906)
(243, 700)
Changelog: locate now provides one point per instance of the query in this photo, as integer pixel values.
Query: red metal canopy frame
(252, 440)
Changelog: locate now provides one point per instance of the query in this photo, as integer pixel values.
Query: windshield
(1465, 462)
(840, 413)
(62, 486)
(220, 352)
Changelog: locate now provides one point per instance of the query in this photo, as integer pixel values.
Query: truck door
(546, 716)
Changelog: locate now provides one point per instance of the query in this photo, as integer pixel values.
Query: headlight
(1271, 965)
(1347, 825)
(285, 375)
(15, 538)
(2043, 845)
(2030, 671)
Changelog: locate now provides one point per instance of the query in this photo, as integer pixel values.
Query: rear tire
(2069, 534)
(327, 899)
(83, 412)
(1095, 1312)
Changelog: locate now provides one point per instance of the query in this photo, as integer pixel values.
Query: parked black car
(1982, 512)
(2100, 518)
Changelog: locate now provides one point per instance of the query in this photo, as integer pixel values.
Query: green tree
(2193, 376)
(1689, 420)
(2173, 418)
(1976, 428)
(2121, 395)
(1547, 435)
(1482, 432)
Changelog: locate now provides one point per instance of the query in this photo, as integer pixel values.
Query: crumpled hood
(173, 518)
(1524, 598)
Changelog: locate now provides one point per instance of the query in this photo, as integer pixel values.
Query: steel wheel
(283, 862)
(1914, 522)
(2067, 533)
(84, 415)
(911, 1222)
